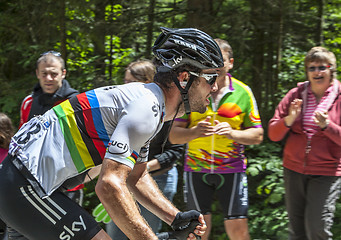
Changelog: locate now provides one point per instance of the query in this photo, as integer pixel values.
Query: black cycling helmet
(190, 46)
(175, 47)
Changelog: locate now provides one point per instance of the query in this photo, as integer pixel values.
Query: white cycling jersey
(115, 122)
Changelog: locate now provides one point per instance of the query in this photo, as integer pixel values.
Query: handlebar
(180, 234)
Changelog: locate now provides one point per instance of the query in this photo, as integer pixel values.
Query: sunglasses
(319, 68)
(210, 77)
(54, 53)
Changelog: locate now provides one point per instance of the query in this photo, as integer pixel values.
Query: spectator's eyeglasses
(319, 68)
(54, 53)
(210, 77)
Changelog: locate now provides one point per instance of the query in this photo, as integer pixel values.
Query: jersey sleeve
(184, 118)
(252, 117)
(129, 142)
(25, 109)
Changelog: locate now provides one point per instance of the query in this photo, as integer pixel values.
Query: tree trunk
(274, 86)
(319, 27)
(63, 31)
(150, 25)
(200, 15)
(257, 49)
(98, 40)
(274, 55)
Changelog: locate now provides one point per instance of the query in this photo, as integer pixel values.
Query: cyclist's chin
(200, 109)
(203, 109)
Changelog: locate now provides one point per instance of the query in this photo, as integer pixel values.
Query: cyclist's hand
(100, 214)
(183, 219)
(164, 235)
(181, 234)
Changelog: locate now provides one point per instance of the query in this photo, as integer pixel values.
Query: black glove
(164, 235)
(180, 234)
(183, 219)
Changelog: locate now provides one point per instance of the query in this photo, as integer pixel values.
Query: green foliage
(292, 70)
(267, 215)
(336, 229)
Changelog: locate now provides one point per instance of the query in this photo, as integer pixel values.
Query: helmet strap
(184, 92)
(169, 128)
(185, 100)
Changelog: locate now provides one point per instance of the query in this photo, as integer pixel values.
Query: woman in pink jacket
(310, 116)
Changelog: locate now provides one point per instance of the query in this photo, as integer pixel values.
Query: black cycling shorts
(230, 189)
(54, 217)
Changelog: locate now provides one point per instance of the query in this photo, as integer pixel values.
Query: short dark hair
(49, 56)
(166, 78)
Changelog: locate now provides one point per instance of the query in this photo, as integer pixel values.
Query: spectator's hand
(223, 128)
(321, 119)
(294, 111)
(204, 128)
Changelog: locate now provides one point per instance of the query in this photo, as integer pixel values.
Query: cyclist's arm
(115, 196)
(92, 174)
(147, 192)
(149, 195)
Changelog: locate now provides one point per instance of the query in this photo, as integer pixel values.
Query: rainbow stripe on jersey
(84, 132)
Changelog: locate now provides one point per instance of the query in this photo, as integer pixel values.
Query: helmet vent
(175, 47)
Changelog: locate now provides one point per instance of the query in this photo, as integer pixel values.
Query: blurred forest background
(98, 38)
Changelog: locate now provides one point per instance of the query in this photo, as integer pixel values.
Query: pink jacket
(322, 156)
